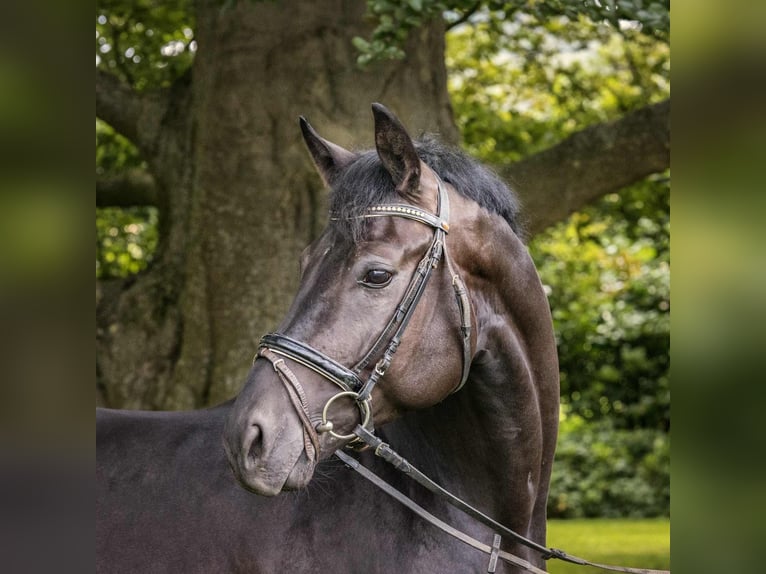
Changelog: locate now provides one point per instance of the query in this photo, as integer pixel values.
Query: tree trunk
(237, 195)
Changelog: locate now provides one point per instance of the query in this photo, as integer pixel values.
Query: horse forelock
(365, 183)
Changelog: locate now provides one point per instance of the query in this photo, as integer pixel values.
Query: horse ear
(396, 151)
(330, 159)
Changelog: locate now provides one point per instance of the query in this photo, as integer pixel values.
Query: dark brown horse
(470, 396)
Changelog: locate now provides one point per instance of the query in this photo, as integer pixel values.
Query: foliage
(634, 542)
(114, 152)
(125, 240)
(145, 43)
(607, 273)
(519, 86)
(395, 19)
(604, 471)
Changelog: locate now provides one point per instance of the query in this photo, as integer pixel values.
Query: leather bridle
(274, 346)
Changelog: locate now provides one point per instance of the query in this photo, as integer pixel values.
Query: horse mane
(365, 183)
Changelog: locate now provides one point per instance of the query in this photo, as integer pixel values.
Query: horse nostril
(255, 449)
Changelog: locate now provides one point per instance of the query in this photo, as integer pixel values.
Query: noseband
(274, 346)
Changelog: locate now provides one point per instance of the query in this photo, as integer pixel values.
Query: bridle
(276, 347)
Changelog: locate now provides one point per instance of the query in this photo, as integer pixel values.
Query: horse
(419, 318)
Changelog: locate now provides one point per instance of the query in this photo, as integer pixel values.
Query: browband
(410, 212)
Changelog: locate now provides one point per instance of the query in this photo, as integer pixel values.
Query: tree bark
(136, 116)
(133, 188)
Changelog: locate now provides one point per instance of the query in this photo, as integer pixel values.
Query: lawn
(637, 543)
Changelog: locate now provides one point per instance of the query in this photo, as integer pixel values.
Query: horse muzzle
(265, 448)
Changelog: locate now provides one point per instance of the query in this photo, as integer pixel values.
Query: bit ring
(364, 409)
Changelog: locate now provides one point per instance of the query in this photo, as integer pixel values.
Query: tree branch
(132, 188)
(464, 17)
(118, 104)
(134, 115)
(598, 160)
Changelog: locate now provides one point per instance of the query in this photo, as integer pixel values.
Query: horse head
(381, 322)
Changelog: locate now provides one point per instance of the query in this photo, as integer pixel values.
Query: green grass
(641, 543)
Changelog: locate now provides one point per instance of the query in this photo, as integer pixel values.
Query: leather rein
(276, 347)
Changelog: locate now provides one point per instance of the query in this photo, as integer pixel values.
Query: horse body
(167, 502)
(167, 499)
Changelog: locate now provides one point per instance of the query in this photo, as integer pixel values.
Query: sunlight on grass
(639, 543)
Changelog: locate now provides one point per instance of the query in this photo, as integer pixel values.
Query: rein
(275, 347)
(384, 451)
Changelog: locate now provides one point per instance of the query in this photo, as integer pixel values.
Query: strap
(494, 554)
(394, 330)
(416, 287)
(404, 313)
(464, 305)
(384, 451)
(298, 399)
(406, 306)
(312, 359)
(423, 513)
(410, 212)
(440, 223)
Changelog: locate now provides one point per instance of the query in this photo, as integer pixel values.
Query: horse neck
(475, 441)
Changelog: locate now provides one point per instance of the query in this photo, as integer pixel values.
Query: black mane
(365, 183)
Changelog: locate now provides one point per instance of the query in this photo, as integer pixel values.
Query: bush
(607, 273)
(602, 471)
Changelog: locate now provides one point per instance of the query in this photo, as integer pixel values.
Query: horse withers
(420, 315)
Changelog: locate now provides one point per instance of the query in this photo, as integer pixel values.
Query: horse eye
(377, 278)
